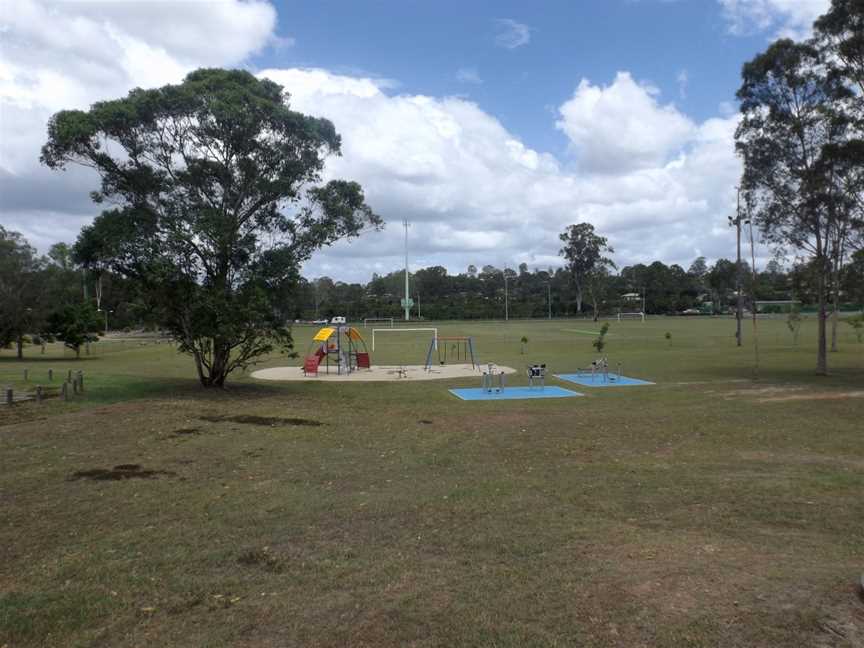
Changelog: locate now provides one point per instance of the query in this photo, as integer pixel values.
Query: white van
(339, 319)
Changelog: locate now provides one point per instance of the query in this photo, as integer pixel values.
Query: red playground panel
(310, 365)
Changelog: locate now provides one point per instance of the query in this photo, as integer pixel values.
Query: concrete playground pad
(587, 380)
(513, 393)
(378, 373)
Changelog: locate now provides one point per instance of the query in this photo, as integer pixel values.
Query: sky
(489, 125)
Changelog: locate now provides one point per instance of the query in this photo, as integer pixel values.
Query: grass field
(716, 508)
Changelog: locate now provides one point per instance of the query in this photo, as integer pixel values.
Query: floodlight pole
(736, 223)
(407, 307)
(506, 297)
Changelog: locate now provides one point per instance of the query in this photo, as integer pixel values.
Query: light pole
(506, 298)
(549, 297)
(736, 223)
(407, 304)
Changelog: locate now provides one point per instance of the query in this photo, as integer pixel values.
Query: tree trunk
(578, 300)
(19, 342)
(218, 371)
(821, 353)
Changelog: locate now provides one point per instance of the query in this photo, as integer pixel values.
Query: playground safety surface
(379, 373)
(513, 393)
(587, 380)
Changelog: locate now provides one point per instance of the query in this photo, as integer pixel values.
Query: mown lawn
(710, 509)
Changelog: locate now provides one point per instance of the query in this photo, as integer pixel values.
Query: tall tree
(20, 290)
(787, 121)
(218, 202)
(584, 253)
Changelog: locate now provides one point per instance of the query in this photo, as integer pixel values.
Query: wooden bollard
(50, 375)
(9, 395)
(39, 395)
(81, 381)
(74, 386)
(64, 391)
(69, 376)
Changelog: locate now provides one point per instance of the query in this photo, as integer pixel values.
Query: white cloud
(783, 18)
(68, 55)
(622, 126)
(468, 75)
(475, 193)
(511, 34)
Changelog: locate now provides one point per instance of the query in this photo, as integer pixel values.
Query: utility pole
(736, 223)
(549, 297)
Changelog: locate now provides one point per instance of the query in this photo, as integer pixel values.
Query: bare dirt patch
(120, 472)
(186, 431)
(271, 421)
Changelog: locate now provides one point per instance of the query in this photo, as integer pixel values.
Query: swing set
(455, 348)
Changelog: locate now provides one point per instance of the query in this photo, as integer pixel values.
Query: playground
(719, 506)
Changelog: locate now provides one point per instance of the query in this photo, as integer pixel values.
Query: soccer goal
(627, 316)
(375, 320)
(390, 331)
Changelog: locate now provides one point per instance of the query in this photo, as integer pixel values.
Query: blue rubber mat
(586, 380)
(513, 393)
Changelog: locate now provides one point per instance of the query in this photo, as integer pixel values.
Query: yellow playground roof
(325, 333)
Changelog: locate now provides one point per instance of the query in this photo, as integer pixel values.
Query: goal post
(373, 320)
(405, 330)
(638, 315)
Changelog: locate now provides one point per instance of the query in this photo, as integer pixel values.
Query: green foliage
(75, 325)
(216, 182)
(21, 293)
(600, 342)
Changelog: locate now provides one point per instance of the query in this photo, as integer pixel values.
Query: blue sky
(491, 126)
(423, 45)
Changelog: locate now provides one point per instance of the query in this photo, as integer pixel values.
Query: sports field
(716, 507)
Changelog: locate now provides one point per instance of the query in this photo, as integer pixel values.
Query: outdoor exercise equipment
(599, 371)
(537, 375)
(459, 349)
(492, 379)
(342, 346)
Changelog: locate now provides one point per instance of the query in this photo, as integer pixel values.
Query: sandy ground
(379, 373)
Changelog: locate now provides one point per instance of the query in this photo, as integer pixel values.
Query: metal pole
(738, 309)
(506, 298)
(549, 298)
(407, 307)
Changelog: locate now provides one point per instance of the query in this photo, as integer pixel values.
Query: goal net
(634, 316)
